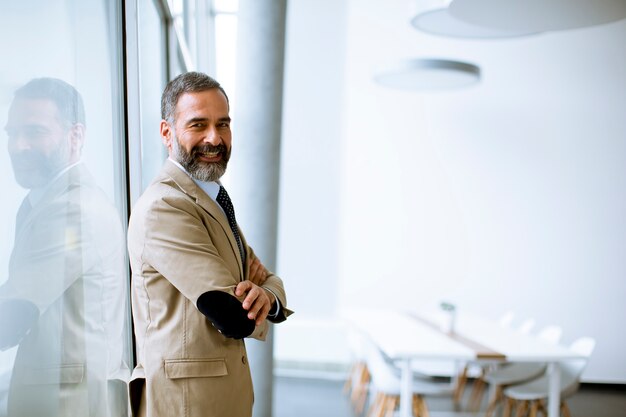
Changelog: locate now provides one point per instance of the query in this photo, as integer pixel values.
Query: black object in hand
(226, 313)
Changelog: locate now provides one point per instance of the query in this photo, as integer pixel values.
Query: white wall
(510, 195)
(311, 142)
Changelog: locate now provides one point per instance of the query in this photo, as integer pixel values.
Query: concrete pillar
(254, 168)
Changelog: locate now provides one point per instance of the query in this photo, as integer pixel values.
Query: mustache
(28, 158)
(221, 148)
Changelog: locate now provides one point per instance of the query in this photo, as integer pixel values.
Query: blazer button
(244, 360)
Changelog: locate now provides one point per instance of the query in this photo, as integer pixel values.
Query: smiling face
(39, 142)
(199, 138)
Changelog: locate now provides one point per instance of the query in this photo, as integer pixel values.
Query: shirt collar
(35, 195)
(211, 188)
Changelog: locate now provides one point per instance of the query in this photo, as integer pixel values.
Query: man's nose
(213, 136)
(19, 142)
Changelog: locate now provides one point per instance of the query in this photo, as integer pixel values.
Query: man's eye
(35, 132)
(224, 124)
(31, 133)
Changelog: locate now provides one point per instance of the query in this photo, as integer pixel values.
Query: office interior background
(508, 195)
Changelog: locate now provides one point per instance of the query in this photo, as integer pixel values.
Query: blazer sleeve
(179, 245)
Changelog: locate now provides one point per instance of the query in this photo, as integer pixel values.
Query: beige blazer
(181, 246)
(68, 260)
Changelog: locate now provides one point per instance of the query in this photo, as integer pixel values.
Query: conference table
(426, 335)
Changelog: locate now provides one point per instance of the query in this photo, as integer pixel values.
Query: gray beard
(33, 169)
(200, 171)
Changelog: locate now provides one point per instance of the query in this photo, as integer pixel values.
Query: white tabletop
(404, 335)
(515, 346)
(400, 336)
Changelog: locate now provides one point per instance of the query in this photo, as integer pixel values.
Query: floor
(316, 397)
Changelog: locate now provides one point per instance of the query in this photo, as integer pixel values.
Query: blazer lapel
(74, 177)
(190, 188)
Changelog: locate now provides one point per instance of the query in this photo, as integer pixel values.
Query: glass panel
(152, 66)
(64, 319)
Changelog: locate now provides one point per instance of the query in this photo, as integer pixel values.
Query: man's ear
(77, 138)
(167, 134)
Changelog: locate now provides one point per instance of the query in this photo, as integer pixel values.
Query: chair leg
(380, 408)
(460, 386)
(493, 402)
(565, 409)
(423, 408)
(391, 404)
(356, 378)
(542, 408)
(522, 407)
(478, 390)
(415, 406)
(360, 390)
(352, 375)
(534, 408)
(508, 407)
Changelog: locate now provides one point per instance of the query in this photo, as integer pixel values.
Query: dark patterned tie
(224, 200)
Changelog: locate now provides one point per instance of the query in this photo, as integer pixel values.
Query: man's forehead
(33, 109)
(212, 100)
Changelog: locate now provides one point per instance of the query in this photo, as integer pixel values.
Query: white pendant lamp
(537, 15)
(429, 75)
(440, 22)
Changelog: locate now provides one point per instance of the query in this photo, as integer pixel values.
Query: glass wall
(64, 320)
(153, 73)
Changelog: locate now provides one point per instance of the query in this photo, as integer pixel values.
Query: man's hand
(258, 273)
(257, 302)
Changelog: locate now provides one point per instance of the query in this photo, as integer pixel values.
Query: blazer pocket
(64, 374)
(195, 368)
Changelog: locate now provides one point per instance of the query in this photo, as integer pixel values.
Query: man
(197, 288)
(64, 302)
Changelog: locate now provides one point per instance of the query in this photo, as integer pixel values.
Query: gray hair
(189, 82)
(67, 99)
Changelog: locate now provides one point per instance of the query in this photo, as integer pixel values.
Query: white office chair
(476, 370)
(531, 395)
(386, 385)
(478, 388)
(516, 373)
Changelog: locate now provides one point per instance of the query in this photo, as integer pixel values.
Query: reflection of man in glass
(64, 303)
